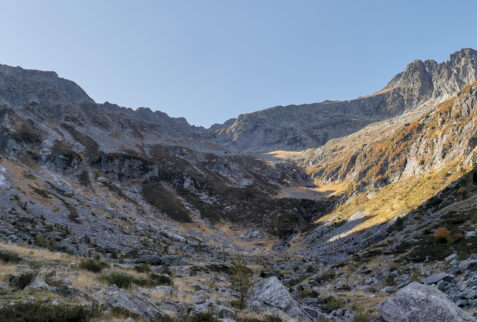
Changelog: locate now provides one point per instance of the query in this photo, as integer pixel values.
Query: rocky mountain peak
(298, 127)
(21, 87)
(428, 79)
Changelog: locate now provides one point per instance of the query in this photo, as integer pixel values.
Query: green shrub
(390, 280)
(309, 293)
(121, 280)
(240, 278)
(83, 178)
(327, 276)
(332, 303)
(9, 257)
(201, 317)
(362, 316)
(153, 280)
(264, 319)
(38, 311)
(143, 268)
(40, 192)
(161, 279)
(399, 224)
(21, 281)
(93, 265)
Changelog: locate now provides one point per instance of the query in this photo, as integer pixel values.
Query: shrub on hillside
(121, 280)
(153, 280)
(240, 278)
(93, 265)
(143, 268)
(9, 257)
(442, 234)
(21, 281)
(39, 311)
(332, 303)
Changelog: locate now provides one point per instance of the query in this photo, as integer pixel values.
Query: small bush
(161, 279)
(332, 303)
(201, 317)
(93, 265)
(458, 237)
(327, 276)
(309, 293)
(40, 192)
(84, 178)
(362, 316)
(38, 311)
(21, 281)
(153, 280)
(240, 278)
(121, 280)
(143, 268)
(399, 224)
(9, 257)
(390, 280)
(442, 234)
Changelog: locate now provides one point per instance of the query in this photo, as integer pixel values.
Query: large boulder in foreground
(421, 303)
(270, 296)
(122, 300)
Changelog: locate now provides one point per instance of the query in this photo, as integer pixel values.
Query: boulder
(435, 278)
(39, 284)
(470, 234)
(370, 281)
(201, 296)
(165, 291)
(170, 308)
(221, 311)
(387, 289)
(135, 303)
(173, 260)
(468, 265)
(451, 258)
(421, 303)
(270, 296)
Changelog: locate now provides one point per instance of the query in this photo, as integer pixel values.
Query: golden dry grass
(5, 270)
(84, 279)
(394, 199)
(37, 254)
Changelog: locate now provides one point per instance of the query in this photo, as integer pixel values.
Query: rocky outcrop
(270, 296)
(124, 301)
(21, 88)
(421, 303)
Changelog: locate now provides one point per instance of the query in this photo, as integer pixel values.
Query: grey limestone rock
(421, 303)
(270, 296)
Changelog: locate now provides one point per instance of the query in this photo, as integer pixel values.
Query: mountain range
(329, 203)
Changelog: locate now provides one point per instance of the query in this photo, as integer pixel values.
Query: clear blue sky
(211, 60)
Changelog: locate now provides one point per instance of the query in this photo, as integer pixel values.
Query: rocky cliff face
(298, 127)
(400, 147)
